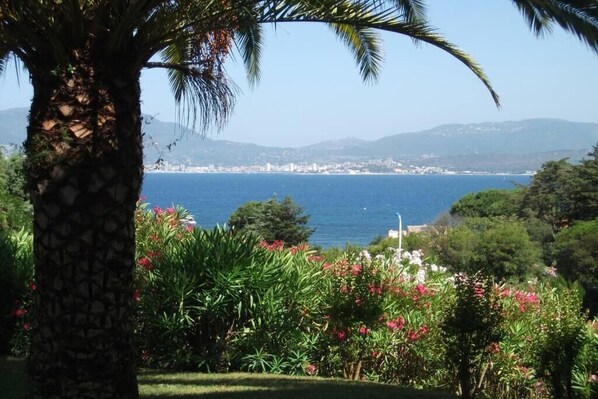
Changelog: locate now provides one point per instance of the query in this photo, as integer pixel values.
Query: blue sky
(311, 90)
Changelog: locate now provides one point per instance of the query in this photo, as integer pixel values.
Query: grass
(12, 382)
(157, 385)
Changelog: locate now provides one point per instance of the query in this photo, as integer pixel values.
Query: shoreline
(338, 174)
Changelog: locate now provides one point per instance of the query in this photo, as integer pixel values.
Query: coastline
(461, 173)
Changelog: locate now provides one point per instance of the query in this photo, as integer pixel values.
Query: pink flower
(145, 262)
(189, 228)
(478, 291)
(358, 301)
(341, 335)
(526, 299)
(374, 289)
(26, 326)
(327, 266)
(363, 330)
(375, 354)
(33, 287)
(158, 211)
(20, 312)
(311, 369)
(396, 324)
(170, 211)
(412, 336)
(316, 258)
(421, 289)
(136, 296)
(494, 347)
(356, 269)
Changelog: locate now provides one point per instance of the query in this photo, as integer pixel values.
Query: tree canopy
(272, 220)
(15, 209)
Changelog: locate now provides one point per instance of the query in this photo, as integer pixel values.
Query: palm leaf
(365, 46)
(368, 16)
(248, 39)
(203, 95)
(579, 17)
(4, 56)
(412, 10)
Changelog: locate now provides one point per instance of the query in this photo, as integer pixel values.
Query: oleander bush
(215, 301)
(16, 283)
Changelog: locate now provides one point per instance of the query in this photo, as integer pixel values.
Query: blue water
(343, 208)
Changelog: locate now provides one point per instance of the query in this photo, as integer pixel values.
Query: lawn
(155, 384)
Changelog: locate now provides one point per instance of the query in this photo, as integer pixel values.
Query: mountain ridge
(511, 146)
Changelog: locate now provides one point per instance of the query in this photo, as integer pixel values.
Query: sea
(342, 208)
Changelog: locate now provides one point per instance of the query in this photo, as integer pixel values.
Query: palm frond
(578, 17)
(364, 43)
(204, 95)
(362, 15)
(4, 57)
(248, 39)
(412, 10)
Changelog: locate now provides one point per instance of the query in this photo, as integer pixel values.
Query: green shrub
(498, 247)
(560, 339)
(472, 331)
(16, 282)
(272, 220)
(489, 203)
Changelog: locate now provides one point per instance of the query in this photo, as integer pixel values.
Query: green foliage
(489, 203)
(561, 338)
(214, 297)
(15, 210)
(16, 279)
(576, 255)
(211, 300)
(585, 190)
(382, 245)
(506, 251)
(496, 246)
(388, 245)
(272, 220)
(561, 193)
(471, 328)
(576, 252)
(548, 197)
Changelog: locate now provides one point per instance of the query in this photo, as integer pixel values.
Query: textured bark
(85, 170)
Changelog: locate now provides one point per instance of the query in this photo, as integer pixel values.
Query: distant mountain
(492, 147)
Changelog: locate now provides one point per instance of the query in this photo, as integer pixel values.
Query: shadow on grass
(12, 378)
(156, 385)
(262, 386)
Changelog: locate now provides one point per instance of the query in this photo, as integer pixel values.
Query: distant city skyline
(311, 90)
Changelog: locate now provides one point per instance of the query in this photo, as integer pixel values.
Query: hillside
(516, 146)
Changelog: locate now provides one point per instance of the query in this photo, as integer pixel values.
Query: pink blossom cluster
(298, 248)
(413, 336)
(526, 300)
(311, 369)
(396, 324)
(277, 245)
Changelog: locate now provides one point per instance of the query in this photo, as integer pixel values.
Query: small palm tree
(84, 154)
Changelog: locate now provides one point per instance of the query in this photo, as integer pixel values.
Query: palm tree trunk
(84, 171)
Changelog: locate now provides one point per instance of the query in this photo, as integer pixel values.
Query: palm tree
(84, 155)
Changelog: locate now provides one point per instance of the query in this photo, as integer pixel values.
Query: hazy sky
(311, 90)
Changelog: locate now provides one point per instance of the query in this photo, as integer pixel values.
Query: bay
(342, 208)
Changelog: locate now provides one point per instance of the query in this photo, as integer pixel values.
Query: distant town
(386, 166)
